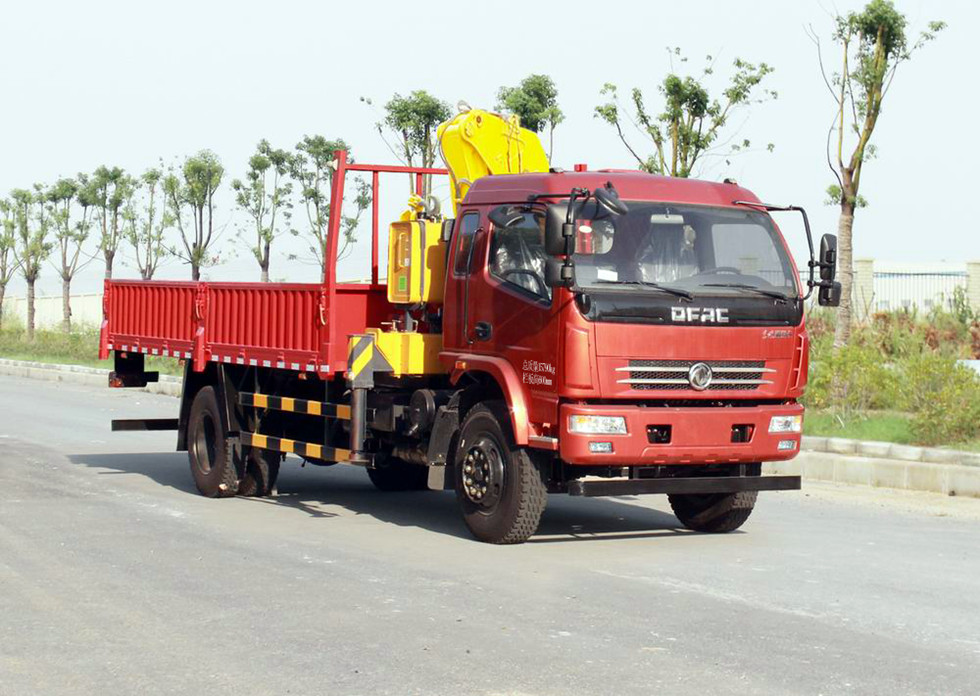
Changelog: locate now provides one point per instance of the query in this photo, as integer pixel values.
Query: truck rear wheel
(499, 486)
(210, 453)
(715, 513)
(261, 472)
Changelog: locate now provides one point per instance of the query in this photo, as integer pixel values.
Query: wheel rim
(483, 472)
(204, 443)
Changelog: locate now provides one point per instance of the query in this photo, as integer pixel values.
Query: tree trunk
(3, 291)
(845, 272)
(265, 274)
(66, 305)
(195, 272)
(30, 310)
(109, 255)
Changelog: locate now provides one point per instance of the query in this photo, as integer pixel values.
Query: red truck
(595, 333)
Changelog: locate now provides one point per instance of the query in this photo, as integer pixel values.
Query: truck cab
(679, 339)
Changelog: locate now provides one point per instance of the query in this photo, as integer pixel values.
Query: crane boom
(477, 143)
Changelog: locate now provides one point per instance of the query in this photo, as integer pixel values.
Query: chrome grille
(728, 375)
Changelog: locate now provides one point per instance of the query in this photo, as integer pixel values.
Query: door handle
(483, 330)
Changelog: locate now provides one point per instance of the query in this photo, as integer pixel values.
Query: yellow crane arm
(478, 143)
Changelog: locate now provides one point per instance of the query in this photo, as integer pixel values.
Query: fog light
(786, 445)
(786, 424)
(597, 425)
(600, 447)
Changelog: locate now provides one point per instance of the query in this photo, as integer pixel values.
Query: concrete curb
(79, 374)
(948, 479)
(889, 450)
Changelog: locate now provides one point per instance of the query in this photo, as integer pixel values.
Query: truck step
(283, 403)
(303, 449)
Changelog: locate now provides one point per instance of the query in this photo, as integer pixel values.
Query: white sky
(127, 83)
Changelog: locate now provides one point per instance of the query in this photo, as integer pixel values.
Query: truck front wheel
(210, 452)
(499, 486)
(715, 513)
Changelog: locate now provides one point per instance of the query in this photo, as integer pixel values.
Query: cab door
(510, 310)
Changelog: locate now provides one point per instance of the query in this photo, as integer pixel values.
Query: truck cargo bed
(286, 325)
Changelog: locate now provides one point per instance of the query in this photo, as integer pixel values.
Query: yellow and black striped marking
(363, 360)
(303, 449)
(285, 403)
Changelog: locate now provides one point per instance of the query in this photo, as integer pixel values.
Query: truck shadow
(314, 491)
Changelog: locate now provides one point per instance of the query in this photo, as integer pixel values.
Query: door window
(517, 256)
(468, 225)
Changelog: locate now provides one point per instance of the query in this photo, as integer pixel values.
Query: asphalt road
(117, 578)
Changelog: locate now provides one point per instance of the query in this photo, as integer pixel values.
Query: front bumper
(698, 435)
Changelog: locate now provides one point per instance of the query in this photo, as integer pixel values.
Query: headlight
(786, 424)
(597, 425)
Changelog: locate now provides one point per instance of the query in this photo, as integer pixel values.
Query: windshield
(697, 249)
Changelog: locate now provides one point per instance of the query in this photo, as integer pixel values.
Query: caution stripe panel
(303, 449)
(284, 403)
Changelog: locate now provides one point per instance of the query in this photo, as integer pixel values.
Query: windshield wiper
(744, 286)
(677, 292)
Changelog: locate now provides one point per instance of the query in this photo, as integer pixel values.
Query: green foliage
(535, 101)
(851, 380)
(109, 189)
(413, 119)
(32, 225)
(79, 347)
(193, 190)
(691, 122)
(944, 398)
(899, 362)
(147, 217)
(313, 169)
(872, 44)
(8, 240)
(882, 426)
(266, 202)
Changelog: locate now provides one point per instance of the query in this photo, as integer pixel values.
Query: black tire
(393, 475)
(211, 455)
(261, 472)
(499, 486)
(716, 513)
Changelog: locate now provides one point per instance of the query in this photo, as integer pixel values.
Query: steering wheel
(538, 280)
(719, 269)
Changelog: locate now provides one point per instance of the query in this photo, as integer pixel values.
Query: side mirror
(828, 258)
(557, 232)
(559, 273)
(829, 293)
(609, 199)
(506, 215)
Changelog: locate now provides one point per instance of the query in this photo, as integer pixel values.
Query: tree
(194, 190)
(312, 167)
(535, 101)
(147, 218)
(691, 123)
(32, 246)
(414, 120)
(70, 235)
(872, 45)
(8, 238)
(266, 203)
(111, 188)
